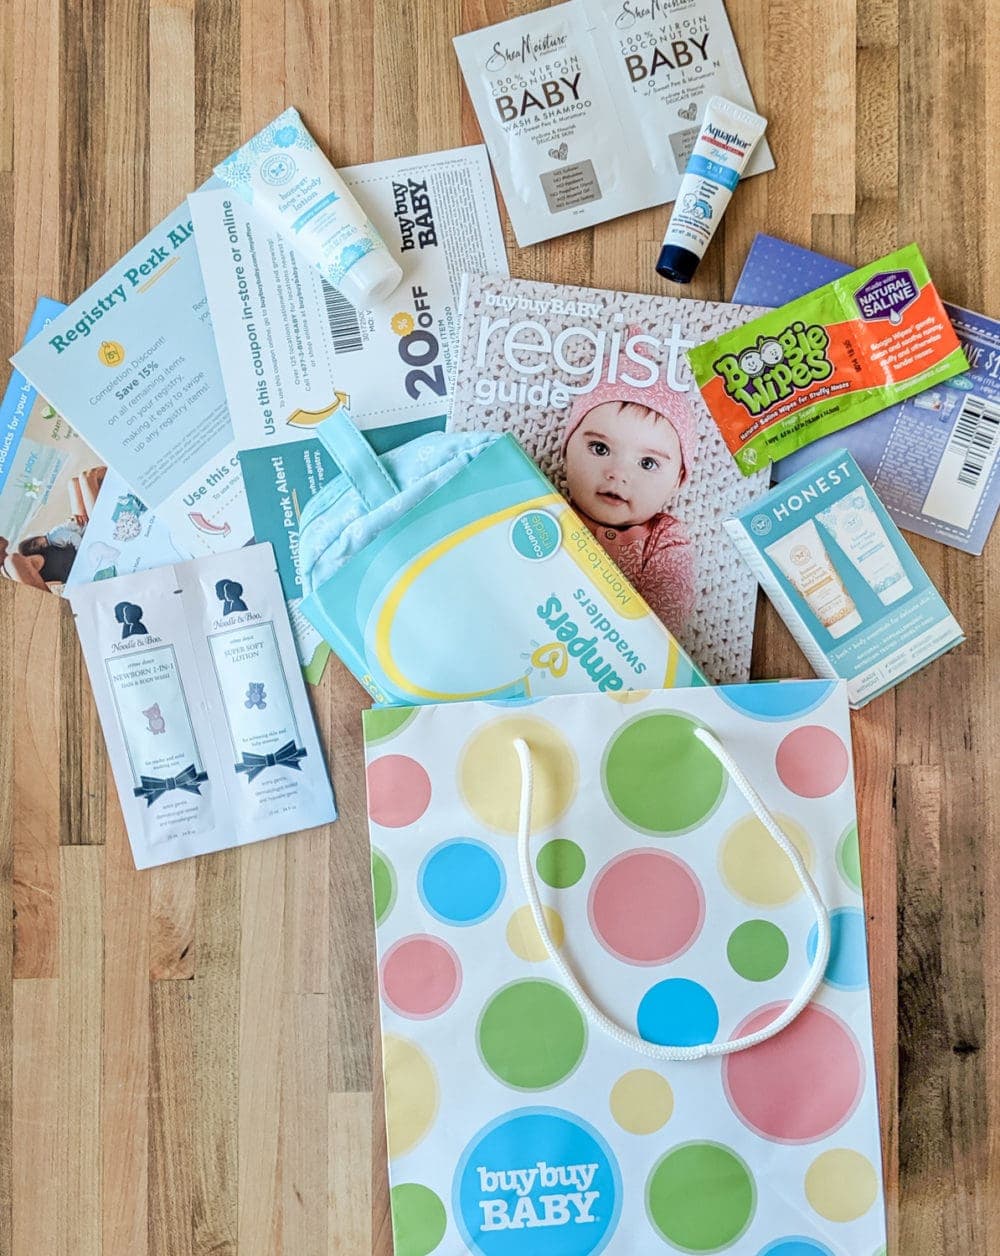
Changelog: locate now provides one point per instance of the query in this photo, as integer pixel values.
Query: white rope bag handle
(583, 999)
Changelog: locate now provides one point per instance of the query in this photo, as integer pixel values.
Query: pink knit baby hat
(659, 397)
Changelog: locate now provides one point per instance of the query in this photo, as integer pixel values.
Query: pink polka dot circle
(399, 790)
(812, 761)
(646, 906)
(421, 976)
(801, 1085)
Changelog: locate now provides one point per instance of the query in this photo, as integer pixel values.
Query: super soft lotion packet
(204, 710)
(834, 356)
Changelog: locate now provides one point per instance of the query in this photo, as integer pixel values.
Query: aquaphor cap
(371, 279)
(677, 264)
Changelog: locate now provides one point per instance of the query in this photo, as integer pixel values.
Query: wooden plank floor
(187, 1062)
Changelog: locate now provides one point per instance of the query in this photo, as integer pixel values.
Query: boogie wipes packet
(450, 568)
(834, 356)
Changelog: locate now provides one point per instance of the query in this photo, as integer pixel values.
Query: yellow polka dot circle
(642, 1101)
(755, 868)
(841, 1184)
(489, 773)
(411, 1093)
(524, 939)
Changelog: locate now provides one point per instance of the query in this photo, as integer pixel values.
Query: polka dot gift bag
(623, 975)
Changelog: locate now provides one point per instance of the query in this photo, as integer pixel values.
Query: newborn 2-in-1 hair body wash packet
(204, 711)
(849, 588)
(595, 386)
(847, 350)
(591, 108)
(934, 460)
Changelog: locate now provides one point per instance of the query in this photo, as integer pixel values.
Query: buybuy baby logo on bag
(537, 1180)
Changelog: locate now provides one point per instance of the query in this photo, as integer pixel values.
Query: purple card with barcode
(933, 460)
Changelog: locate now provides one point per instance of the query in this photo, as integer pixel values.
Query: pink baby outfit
(657, 556)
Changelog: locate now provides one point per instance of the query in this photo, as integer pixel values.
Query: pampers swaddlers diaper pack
(450, 568)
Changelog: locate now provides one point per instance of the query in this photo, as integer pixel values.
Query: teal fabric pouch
(371, 492)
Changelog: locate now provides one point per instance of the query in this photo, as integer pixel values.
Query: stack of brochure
(135, 437)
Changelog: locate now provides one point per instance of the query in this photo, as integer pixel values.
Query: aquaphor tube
(727, 137)
(285, 176)
(856, 528)
(804, 562)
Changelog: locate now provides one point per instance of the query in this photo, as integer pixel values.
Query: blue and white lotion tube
(729, 133)
(288, 180)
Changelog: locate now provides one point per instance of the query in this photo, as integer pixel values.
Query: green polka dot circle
(531, 1035)
(418, 1219)
(757, 950)
(383, 885)
(381, 723)
(561, 863)
(658, 776)
(849, 857)
(701, 1197)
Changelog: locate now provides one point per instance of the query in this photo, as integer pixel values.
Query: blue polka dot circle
(678, 1013)
(796, 1247)
(462, 881)
(847, 967)
(776, 700)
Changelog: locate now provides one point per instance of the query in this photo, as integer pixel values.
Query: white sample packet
(205, 715)
(550, 123)
(590, 108)
(664, 63)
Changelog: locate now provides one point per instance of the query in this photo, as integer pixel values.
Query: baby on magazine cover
(595, 386)
(627, 451)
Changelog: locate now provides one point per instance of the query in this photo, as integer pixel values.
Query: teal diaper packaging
(841, 576)
(451, 569)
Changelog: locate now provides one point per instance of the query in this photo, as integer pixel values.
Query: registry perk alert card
(132, 366)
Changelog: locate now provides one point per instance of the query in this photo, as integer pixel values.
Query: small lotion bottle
(288, 180)
(729, 133)
(856, 528)
(805, 564)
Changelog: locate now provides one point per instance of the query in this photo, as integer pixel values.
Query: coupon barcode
(343, 319)
(974, 436)
(966, 466)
